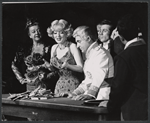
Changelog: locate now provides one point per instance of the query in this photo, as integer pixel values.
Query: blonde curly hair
(65, 27)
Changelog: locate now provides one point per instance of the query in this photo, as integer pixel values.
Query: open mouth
(58, 39)
(37, 36)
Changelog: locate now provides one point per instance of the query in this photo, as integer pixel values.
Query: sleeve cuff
(78, 91)
(91, 95)
(93, 90)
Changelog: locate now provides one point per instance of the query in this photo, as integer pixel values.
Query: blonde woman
(65, 57)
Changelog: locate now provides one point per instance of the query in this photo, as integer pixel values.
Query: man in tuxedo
(129, 89)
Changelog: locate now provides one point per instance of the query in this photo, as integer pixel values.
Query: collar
(131, 41)
(92, 46)
(105, 44)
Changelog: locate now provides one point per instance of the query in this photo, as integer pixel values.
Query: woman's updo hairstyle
(65, 27)
(31, 22)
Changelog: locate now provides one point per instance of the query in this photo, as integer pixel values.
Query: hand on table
(82, 97)
(103, 104)
(71, 95)
(66, 94)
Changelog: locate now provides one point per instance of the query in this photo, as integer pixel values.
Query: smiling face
(103, 32)
(35, 33)
(59, 34)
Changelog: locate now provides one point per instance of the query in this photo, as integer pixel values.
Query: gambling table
(54, 109)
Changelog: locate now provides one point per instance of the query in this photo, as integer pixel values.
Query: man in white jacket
(98, 66)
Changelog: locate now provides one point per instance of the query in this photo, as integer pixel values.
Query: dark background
(14, 19)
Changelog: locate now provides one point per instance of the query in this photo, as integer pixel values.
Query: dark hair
(31, 22)
(108, 22)
(128, 26)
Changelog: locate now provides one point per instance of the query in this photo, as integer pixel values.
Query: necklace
(61, 47)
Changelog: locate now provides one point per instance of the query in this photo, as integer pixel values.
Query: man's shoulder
(98, 47)
(134, 49)
(99, 51)
(134, 52)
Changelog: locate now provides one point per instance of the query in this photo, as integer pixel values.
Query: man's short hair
(128, 26)
(84, 31)
(107, 22)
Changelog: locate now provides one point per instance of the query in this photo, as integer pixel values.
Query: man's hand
(83, 97)
(103, 104)
(114, 34)
(46, 63)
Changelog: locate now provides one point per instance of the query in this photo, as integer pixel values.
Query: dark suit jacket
(118, 45)
(129, 89)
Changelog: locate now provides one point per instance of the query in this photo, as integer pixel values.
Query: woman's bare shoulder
(73, 45)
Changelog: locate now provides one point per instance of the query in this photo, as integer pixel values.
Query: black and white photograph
(74, 61)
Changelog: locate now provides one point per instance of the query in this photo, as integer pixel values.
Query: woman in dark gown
(29, 62)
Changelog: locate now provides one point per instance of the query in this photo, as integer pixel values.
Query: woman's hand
(66, 94)
(49, 75)
(71, 95)
(65, 65)
(41, 76)
(63, 94)
(46, 63)
(24, 80)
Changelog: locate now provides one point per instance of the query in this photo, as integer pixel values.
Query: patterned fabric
(28, 65)
(67, 79)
